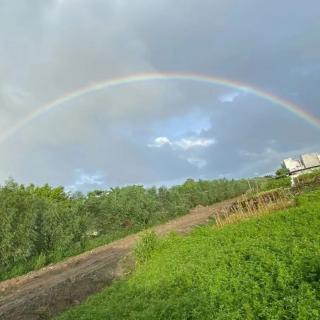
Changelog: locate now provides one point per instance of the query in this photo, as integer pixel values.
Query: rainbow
(163, 76)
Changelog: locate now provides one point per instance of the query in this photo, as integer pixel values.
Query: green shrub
(146, 245)
(40, 261)
(308, 180)
(274, 183)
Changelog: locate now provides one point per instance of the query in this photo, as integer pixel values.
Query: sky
(155, 132)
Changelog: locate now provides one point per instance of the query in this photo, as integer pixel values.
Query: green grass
(264, 268)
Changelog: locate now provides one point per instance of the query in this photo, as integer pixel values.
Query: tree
(282, 172)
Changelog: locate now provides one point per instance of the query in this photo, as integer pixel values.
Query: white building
(305, 164)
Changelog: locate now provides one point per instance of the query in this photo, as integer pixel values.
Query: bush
(147, 244)
(40, 261)
(308, 180)
(274, 183)
(282, 172)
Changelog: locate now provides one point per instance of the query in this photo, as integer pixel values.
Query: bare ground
(44, 293)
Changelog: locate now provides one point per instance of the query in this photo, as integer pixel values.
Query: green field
(264, 268)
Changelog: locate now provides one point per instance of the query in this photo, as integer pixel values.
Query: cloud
(231, 97)
(70, 44)
(160, 142)
(190, 143)
(85, 181)
(197, 162)
(184, 143)
(15, 95)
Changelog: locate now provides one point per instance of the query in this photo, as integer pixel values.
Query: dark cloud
(49, 48)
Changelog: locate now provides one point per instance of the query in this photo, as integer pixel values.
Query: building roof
(310, 160)
(306, 161)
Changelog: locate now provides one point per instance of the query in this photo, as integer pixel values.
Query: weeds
(249, 206)
(147, 244)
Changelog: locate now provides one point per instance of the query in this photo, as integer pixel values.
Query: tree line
(43, 224)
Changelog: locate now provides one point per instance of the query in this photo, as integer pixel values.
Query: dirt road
(46, 292)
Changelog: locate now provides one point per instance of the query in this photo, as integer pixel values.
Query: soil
(44, 293)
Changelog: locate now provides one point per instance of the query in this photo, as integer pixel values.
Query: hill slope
(46, 292)
(265, 268)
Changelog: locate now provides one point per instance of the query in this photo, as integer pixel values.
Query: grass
(264, 268)
(247, 207)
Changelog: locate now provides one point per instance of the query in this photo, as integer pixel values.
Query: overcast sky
(158, 132)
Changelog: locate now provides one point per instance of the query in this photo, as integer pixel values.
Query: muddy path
(48, 291)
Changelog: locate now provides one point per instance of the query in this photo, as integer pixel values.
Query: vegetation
(308, 181)
(149, 241)
(254, 205)
(41, 225)
(270, 183)
(263, 268)
(282, 172)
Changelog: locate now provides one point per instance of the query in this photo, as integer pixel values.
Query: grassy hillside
(263, 268)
